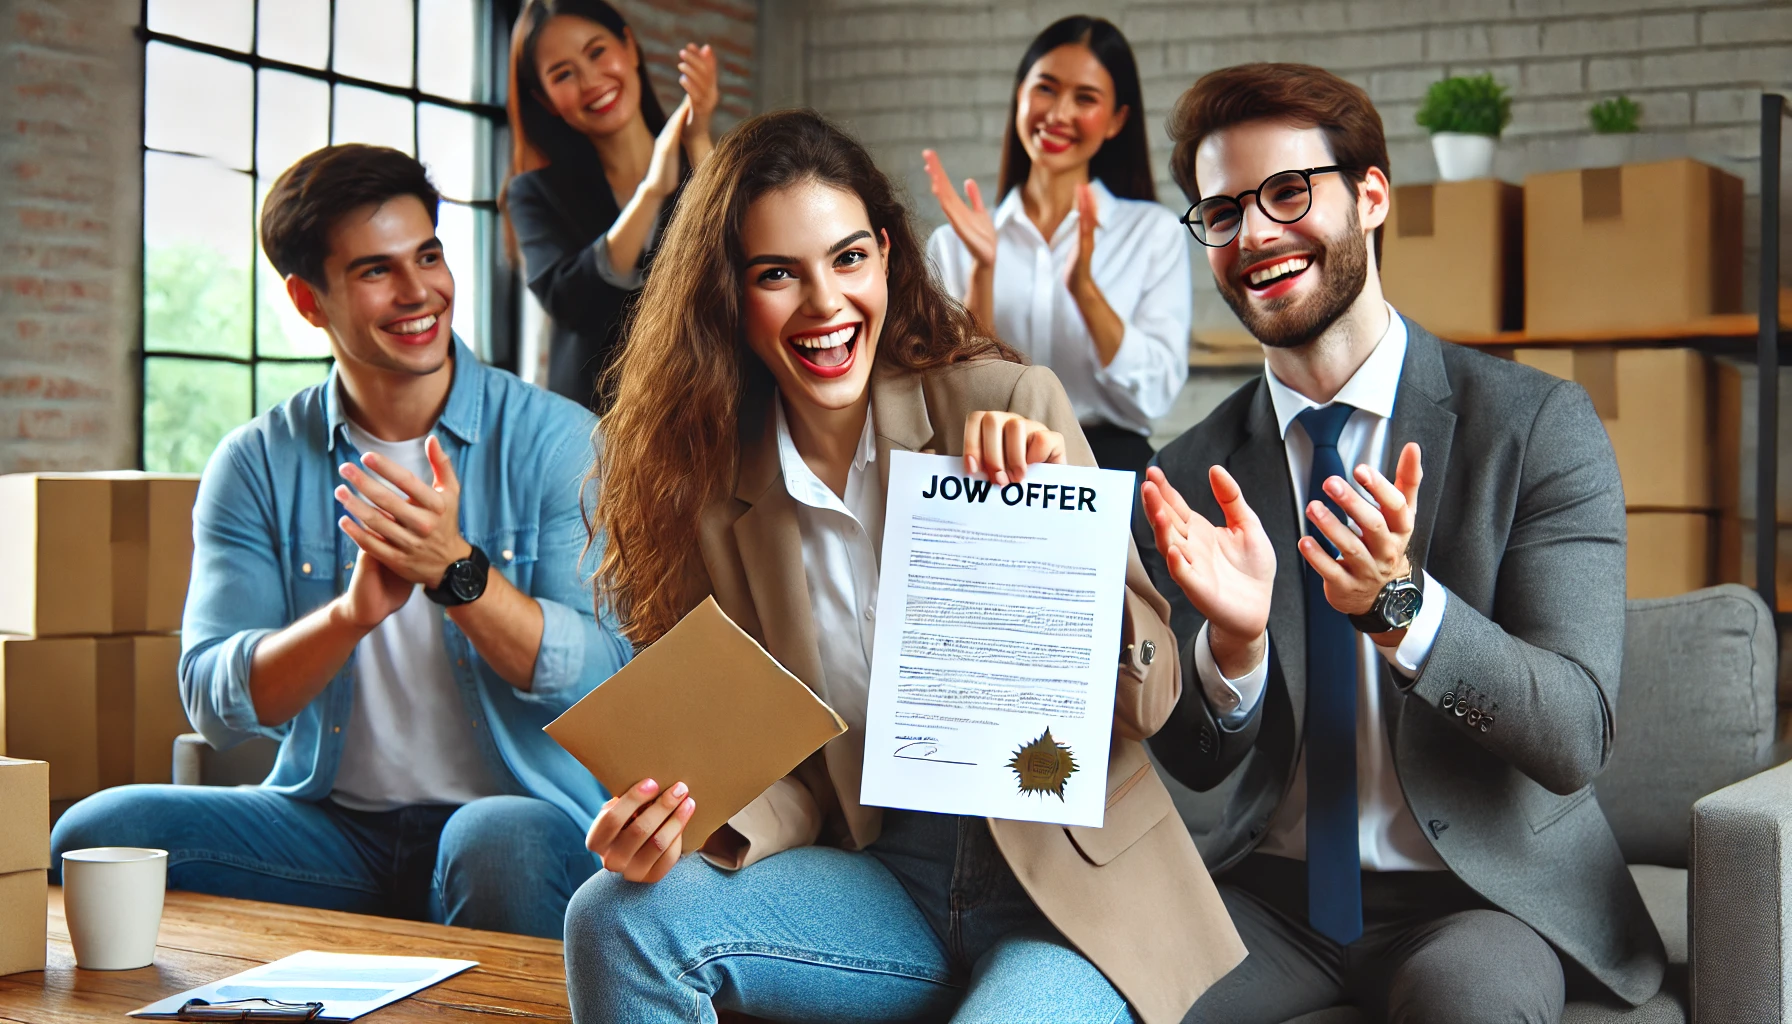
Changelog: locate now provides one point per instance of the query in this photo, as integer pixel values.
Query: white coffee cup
(113, 898)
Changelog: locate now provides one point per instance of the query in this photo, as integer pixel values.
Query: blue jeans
(928, 924)
(504, 863)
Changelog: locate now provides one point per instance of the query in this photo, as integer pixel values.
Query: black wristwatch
(464, 581)
(1395, 607)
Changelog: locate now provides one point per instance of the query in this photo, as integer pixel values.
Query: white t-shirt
(410, 738)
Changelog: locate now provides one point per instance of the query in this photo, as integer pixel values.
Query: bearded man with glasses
(1396, 569)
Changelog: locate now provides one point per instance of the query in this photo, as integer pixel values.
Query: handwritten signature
(925, 750)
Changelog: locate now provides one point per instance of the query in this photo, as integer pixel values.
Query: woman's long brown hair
(671, 444)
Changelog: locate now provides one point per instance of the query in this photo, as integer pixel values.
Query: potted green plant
(1619, 115)
(1465, 115)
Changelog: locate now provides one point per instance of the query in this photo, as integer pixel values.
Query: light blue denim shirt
(267, 550)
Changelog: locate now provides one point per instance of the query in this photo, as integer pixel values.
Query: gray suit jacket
(1497, 742)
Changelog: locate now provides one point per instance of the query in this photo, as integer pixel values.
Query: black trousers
(1432, 952)
(1119, 448)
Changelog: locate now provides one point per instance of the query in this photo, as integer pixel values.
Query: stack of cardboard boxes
(96, 568)
(1656, 407)
(1637, 251)
(1737, 426)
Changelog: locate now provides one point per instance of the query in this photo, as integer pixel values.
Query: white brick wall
(906, 74)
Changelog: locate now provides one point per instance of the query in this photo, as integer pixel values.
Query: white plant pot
(1463, 157)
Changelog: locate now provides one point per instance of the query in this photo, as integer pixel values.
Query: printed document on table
(348, 984)
(998, 641)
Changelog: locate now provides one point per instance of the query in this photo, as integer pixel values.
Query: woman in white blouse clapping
(1078, 267)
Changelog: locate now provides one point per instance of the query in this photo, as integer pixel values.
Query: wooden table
(205, 938)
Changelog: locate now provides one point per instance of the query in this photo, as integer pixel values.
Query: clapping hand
(661, 179)
(1366, 563)
(974, 225)
(1077, 272)
(414, 531)
(1227, 572)
(699, 78)
(703, 92)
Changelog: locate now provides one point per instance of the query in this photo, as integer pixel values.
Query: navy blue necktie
(1334, 864)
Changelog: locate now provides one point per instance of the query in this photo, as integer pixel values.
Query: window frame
(503, 296)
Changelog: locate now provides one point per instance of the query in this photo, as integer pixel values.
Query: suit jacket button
(1147, 652)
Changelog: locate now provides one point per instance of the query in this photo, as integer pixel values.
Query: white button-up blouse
(1141, 265)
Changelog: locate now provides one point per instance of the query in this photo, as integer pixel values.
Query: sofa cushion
(1664, 893)
(1666, 1007)
(1696, 708)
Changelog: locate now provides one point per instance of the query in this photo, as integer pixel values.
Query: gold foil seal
(1043, 766)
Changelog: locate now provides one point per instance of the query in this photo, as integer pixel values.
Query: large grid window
(235, 91)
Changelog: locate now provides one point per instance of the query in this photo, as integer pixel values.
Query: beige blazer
(1132, 896)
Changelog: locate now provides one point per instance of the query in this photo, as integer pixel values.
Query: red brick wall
(663, 26)
(71, 85)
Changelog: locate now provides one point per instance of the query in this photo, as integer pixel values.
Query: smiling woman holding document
(788, 343)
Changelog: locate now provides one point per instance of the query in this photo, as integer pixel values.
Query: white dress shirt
(1388, 835)
(1141, 265)
(842, 541)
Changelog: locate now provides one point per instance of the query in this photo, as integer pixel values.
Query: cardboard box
(52, 697)
(24, 920)
(1453, 256)
(103, 711)
(157, 714)
(55, 554)
(1668, 553)
(95, 553)
(152, 549)
(1631, 248)
(24, 858)
(1657, 408)
(25, 807)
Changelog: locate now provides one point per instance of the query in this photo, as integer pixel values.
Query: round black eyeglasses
(1284, 197)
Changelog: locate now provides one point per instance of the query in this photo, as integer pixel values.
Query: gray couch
(1691, 786)
(1701, 812)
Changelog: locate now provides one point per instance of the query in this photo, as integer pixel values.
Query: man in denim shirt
(387, 579)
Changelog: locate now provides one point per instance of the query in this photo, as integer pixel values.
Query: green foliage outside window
(188, 407)
(1475, 105)
(1616, 116)
(195, 302)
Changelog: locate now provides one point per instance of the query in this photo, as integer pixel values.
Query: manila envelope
(704, 705)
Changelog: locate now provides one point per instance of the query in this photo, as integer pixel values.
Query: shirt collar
(462, 416)
(1372, 388)
(1012, 207)
(800, 481)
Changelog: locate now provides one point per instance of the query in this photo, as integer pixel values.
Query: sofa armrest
(189, 748)
(1740, 903)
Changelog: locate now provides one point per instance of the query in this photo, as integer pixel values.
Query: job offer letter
(998, 641)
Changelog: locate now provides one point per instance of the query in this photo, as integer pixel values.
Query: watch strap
(1375, 620)
(443, 594)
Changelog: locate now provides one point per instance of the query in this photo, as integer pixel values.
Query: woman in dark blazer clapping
(595, 169)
